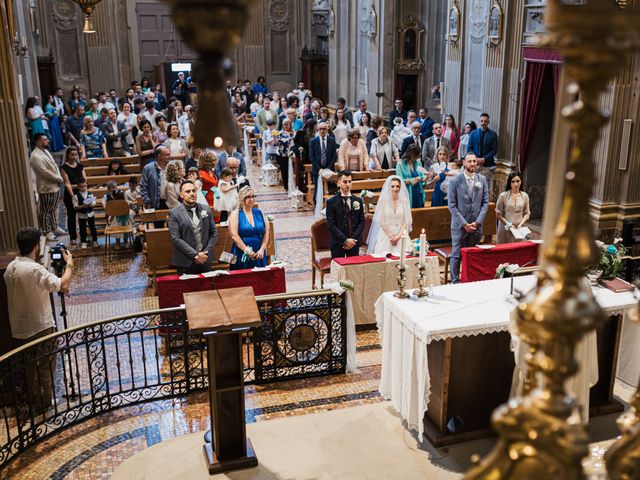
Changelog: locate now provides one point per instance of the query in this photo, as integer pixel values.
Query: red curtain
(534, 76)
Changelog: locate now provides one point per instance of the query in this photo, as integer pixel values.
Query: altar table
(266, 281)
(480, 263)
(370, 280)
(451, 352)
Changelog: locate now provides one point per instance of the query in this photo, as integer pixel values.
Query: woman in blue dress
(92, 140)
(411, 171)
(57, 144)
(249, 232)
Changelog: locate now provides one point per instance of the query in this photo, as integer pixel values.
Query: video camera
(57, 259)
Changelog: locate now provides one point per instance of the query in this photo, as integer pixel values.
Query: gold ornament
(87, 6)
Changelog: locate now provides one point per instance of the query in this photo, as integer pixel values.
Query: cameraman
(28, 287)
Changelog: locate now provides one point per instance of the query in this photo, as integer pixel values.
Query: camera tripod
(68, 364)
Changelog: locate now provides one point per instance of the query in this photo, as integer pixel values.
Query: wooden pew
(160, 249)
(98, 162)
(102, 170)
(103, 179)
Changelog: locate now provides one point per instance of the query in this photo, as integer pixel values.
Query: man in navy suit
(427, 124)
(322, 152)
(415, 138)
(345, 219)
(483, 142)
(468, 204)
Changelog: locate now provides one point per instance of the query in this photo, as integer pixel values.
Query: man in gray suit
(193, 232)
(432, 144)
(468, 204)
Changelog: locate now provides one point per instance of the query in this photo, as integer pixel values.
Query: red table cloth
(264, 282)
(358, 259)
(481, 264)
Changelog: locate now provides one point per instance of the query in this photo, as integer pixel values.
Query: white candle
(403, 250)
(423, 249)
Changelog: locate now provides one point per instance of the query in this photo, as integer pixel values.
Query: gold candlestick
(402, 281)
(422, 280)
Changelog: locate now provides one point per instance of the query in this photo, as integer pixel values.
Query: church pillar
(17, 202)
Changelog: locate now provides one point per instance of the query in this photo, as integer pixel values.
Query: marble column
(17, 201)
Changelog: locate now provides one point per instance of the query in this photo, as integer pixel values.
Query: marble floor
(104, 289)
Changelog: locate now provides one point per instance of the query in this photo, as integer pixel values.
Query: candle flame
(423, 230)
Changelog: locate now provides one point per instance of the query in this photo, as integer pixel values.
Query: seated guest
(116, 167)
(193, 232)
(512, 209)
(411, 171)
(352, 154)
(174, 174)
(392, 218)
(249, 231)
(345, 219)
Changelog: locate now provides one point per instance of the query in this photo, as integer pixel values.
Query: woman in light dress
(352, 154)
(341, 126)
(392, 218)
(512, 208)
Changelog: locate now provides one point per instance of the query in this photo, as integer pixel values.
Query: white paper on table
(188, 276)
(520, 233)
(215, 273)
(260, 269)
(148, 210)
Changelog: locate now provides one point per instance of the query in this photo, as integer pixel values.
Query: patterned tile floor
(101, 289)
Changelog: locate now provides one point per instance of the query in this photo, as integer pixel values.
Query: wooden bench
(100, 162)
(159, 248)
(102, 170)
(436, 222)
(103, 179)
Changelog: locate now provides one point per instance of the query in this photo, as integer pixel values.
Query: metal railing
(69, 376)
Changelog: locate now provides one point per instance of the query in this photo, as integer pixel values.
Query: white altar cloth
(406, 327)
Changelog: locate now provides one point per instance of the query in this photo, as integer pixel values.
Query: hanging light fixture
(87, 6)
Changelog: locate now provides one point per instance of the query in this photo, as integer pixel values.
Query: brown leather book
(617, 285)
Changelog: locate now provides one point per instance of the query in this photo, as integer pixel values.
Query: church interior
(320, 239)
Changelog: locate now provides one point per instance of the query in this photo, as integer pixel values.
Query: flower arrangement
(270, 218)
(505, 268)
(366, 193)
(415, 247)
(611, 255)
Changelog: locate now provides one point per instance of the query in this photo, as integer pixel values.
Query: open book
(520, 233)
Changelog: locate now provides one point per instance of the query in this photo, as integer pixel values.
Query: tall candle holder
(422, 280)
(402, 281)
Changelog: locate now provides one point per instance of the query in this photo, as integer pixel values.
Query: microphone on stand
(517, 270)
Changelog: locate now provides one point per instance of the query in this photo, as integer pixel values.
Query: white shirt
(469, 180)
(28, 288)
(183, 125)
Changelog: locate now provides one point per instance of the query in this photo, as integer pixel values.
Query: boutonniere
(204, 214)
(478, 185)
(356, 206)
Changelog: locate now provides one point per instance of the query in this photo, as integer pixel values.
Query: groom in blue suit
(468, 204)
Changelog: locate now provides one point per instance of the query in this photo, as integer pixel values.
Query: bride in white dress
(392, 218)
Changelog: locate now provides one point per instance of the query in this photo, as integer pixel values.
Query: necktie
(416, 141)
(323, 152)
(437, 144)
(347, 212)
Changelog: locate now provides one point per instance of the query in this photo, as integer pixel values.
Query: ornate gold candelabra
(402, 281)
(540, 437)
(211, 28)
(422, 280)
(87, 6)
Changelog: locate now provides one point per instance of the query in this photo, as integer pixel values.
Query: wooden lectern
(221, 316)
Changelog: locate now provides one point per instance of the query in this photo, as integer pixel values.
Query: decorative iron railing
(67, 377)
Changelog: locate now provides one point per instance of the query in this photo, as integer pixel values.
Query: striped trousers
(47, 218)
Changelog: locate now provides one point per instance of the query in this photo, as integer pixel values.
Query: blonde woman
(174, 173)
(92, 140)
(249, 231)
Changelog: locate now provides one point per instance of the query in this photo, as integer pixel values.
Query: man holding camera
(28, 287)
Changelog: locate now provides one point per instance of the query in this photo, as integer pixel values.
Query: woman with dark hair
(53, 120)
(512, 209)
(145, 143)
(364, 126)
(409, 169)
(451, 132)
(301, 143)
(36, 117)
(116, 167)
(72, 173)
(146, 85)
(76, 100)
(464, 139)
(376, 122)
(176, 145)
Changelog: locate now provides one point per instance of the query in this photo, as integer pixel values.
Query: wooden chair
(320, 242)
(116, 208)
(159, 249)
